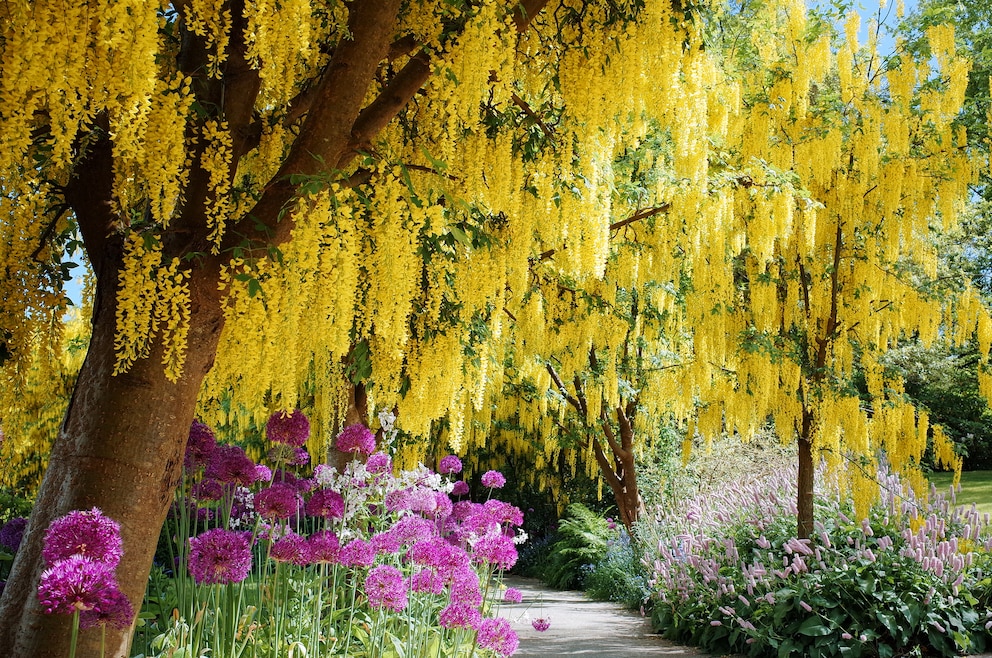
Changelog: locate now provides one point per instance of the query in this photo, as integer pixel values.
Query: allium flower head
(114, 611)
(300, 457)
(200, 446)
(90, 534)
(459, 615)
(12, 532)
(379, 462)
(292, 429)
(325, 503)
(291, 548)
(357, 553)
(541, 624)
(208, 489)
(324, 547)
(497, 635)
(426, 580)
(460, 488)
(411, 529)
(450, 464)
(279, 501)
(493, 480)
(385, 542)
(513, 595)
(220, 556)
(231, 465)
(76, 583)
(384, 588)
(465, 587)
(356, 438)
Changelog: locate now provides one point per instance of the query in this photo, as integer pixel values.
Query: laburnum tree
(282, 201)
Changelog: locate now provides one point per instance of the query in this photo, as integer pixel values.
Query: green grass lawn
(976, 487)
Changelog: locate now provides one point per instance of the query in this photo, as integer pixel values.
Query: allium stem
(75, 634)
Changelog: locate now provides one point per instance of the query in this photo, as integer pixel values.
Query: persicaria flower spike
(90, 534)
(292, 429)
(356, 438)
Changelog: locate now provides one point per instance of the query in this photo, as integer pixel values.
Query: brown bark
(804, 479)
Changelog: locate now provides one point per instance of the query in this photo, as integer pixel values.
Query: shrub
(728, 574)
(582, 540)
(618, 575)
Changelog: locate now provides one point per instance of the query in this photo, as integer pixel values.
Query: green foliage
(582, 539)
(618, 575)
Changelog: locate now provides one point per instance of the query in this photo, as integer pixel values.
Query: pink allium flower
(493, 480)
(12, 532)
(379, 462)
(357, 553)
(398, 500)
(427, 580)
(90, 534)
(200, 446)
(263, 473)
(497, 635)
(231, 465)
(541, 624)
(76, 583)
(465, 587)
(356, 438)
(291, 548)
(115, 611)
(385, 588)
(279, 501)
(496, 549)
(442, 505)
(460, 488)
(326, 503)
(513, 595)
(439, 554)
(411, 529)
(292, 429)
(385, 542)
(503, 512)
(300, 457)
(324, 547)
(450, 464)
(459, 615)
(220, 556)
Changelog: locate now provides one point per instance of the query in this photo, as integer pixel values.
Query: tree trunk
(120, 448)
(804, 499)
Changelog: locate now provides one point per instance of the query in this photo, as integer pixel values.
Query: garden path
(581, 627)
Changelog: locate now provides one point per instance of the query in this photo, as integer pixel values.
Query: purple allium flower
(279, 501)
(208, 489)
(357, 553)
(200, 446)
(497, 635)
(300, 457)
(76, 583)
(384, 588)
(356, 438)
(513, 595)
(282, 476)
(459, 615)
(91, 534)
(421, 499)
(439, 554)
(12, 532)
(460, 488)
(324, 547)
(493, 480)
(291, 548)
(465, 587)
(114, 611)
(442, 505)
(263, 473)
(326, 503)
(503, 512)
(541, 624)
(496, 549)
(398, 500)
(379, 462)
(385, 542)
(220, 556)
(231, 465)
(292, 429)
(427, 580)
(450, 464)
(411, 529)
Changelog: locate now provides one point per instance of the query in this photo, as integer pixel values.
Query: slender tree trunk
(804, 498)
(130, 477)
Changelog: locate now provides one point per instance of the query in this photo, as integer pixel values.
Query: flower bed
(728, 574)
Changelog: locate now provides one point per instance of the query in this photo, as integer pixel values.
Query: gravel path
(580, 627)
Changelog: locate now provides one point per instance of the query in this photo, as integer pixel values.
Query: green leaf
(254, 287)
(813, 626)
(460, 235)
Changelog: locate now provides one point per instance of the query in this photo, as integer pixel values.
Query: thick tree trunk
(120, 448)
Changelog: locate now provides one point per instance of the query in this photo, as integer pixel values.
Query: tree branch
(636, 217)
(561, 388)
